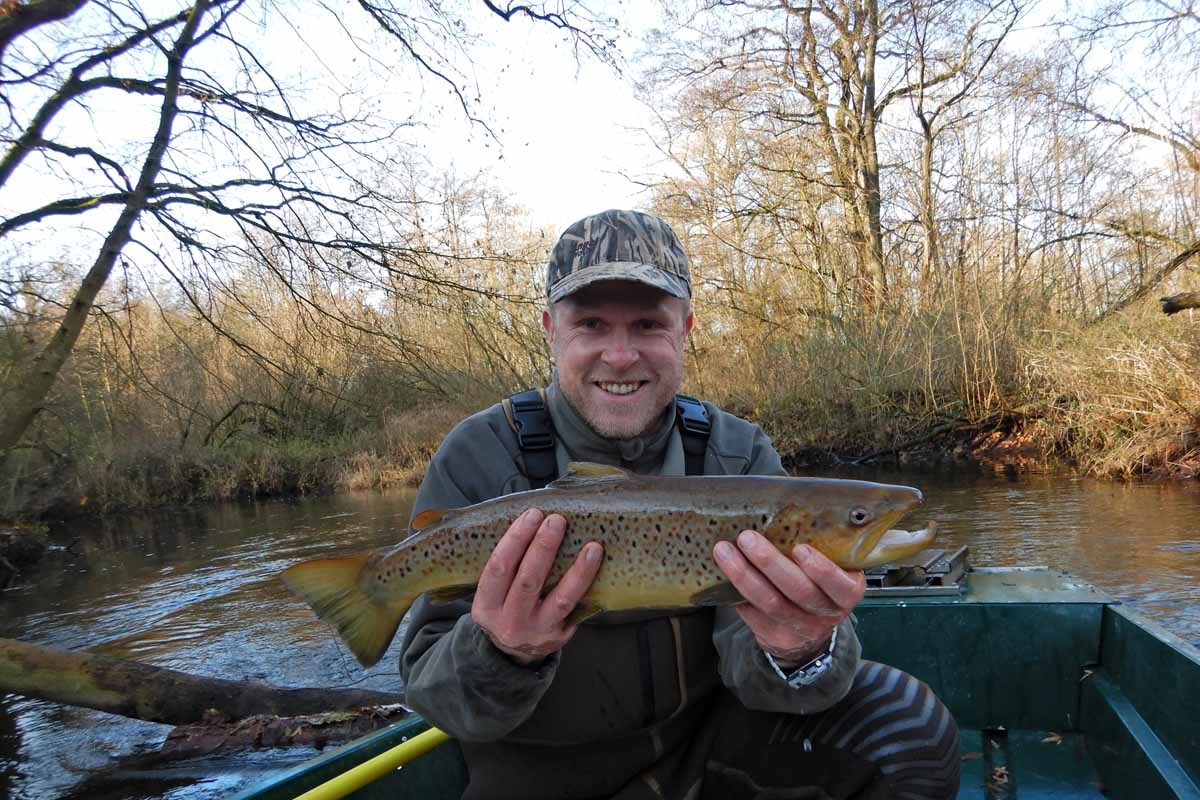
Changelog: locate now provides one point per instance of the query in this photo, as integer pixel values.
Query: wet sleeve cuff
(747, 672)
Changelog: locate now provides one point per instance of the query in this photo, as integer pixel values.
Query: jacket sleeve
(743, 664)
(454, 676)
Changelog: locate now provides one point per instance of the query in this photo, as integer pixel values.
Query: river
(198, 590)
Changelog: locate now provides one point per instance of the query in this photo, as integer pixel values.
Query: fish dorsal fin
(583, 472)
(428, 517)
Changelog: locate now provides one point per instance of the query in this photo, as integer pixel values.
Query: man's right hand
(509, 606)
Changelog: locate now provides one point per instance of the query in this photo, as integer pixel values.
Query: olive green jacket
(627, 687)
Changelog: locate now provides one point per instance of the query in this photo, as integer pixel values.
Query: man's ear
(688, 322)
(547, 324)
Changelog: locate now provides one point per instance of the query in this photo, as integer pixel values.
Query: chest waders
(530, 420)
(889, 738)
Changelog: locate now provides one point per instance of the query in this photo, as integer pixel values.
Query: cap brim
(620, 271)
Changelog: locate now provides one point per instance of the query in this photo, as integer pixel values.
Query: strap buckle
(530, 421)
(693, 416)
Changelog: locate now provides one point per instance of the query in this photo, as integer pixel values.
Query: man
(764, 699)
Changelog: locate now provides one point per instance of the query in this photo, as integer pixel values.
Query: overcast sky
(568, 126)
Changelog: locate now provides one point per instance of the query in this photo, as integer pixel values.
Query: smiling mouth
(620, 388)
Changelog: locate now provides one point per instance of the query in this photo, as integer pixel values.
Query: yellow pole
(375, 768)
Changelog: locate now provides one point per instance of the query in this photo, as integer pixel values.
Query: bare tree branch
(49, 361)
(20, 18)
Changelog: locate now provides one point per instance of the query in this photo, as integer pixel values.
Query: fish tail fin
(332, 587)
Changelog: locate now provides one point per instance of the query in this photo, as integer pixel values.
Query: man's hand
(792, 604)
(508, 602)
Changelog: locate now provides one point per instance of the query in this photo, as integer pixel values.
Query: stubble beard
(638, 422)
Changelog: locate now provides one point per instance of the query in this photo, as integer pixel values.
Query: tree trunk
(42, 373)
(1192, 251)
(156, 694)
(869, 160)
(928, 215)
(17, 19)
(1178, 302)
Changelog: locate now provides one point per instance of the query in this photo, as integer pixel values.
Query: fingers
(526, 588)
(844, 588)
(792, 603)
(508, 604)
(782, 583)
(751, 582)
(561, 601)
(502, 565)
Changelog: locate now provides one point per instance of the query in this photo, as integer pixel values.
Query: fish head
(843, 519)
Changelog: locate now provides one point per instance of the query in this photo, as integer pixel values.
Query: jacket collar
(648, 454)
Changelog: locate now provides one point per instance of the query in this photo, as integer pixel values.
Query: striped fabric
(890, 737)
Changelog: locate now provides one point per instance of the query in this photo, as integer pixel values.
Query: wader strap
(530, 420)
(694, 428)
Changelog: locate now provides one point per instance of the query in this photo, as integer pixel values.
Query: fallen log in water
(217, 734)
(156, 694)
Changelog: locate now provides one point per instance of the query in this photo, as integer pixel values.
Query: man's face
(618, 347)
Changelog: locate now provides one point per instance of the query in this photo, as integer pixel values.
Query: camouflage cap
(618, 245)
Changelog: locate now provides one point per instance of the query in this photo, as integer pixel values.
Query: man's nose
(619, 352)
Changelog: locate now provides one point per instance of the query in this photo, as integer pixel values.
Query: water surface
(198, 590)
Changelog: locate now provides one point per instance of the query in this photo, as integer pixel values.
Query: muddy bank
(21, 547)
(1007, 447)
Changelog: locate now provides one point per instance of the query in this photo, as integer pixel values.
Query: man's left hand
(792, 604)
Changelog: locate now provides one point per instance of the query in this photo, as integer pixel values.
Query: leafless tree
(239, 163)
(823, 77)
(1135, 67)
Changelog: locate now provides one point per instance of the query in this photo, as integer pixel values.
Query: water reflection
(198, 590)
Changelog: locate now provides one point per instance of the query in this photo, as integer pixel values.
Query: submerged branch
(156, 694)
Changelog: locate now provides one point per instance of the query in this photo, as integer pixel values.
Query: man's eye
(591, 324)
(649, 324)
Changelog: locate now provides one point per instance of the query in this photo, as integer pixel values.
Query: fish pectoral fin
(721, 594)
(587, 472)
(581, 612)
(448, 594)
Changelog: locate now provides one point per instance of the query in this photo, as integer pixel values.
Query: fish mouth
(869, 539)
(895, 544)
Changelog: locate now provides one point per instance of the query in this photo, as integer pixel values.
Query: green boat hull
(1060, 692)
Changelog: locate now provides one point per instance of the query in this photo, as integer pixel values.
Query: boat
(1060, 691)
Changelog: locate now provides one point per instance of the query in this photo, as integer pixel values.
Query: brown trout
(658, 534)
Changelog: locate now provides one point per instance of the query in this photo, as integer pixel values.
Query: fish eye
(859, 516)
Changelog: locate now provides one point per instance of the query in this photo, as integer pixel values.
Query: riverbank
(142, 478)
(21, 547)
(396, 455)
(953, 386)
